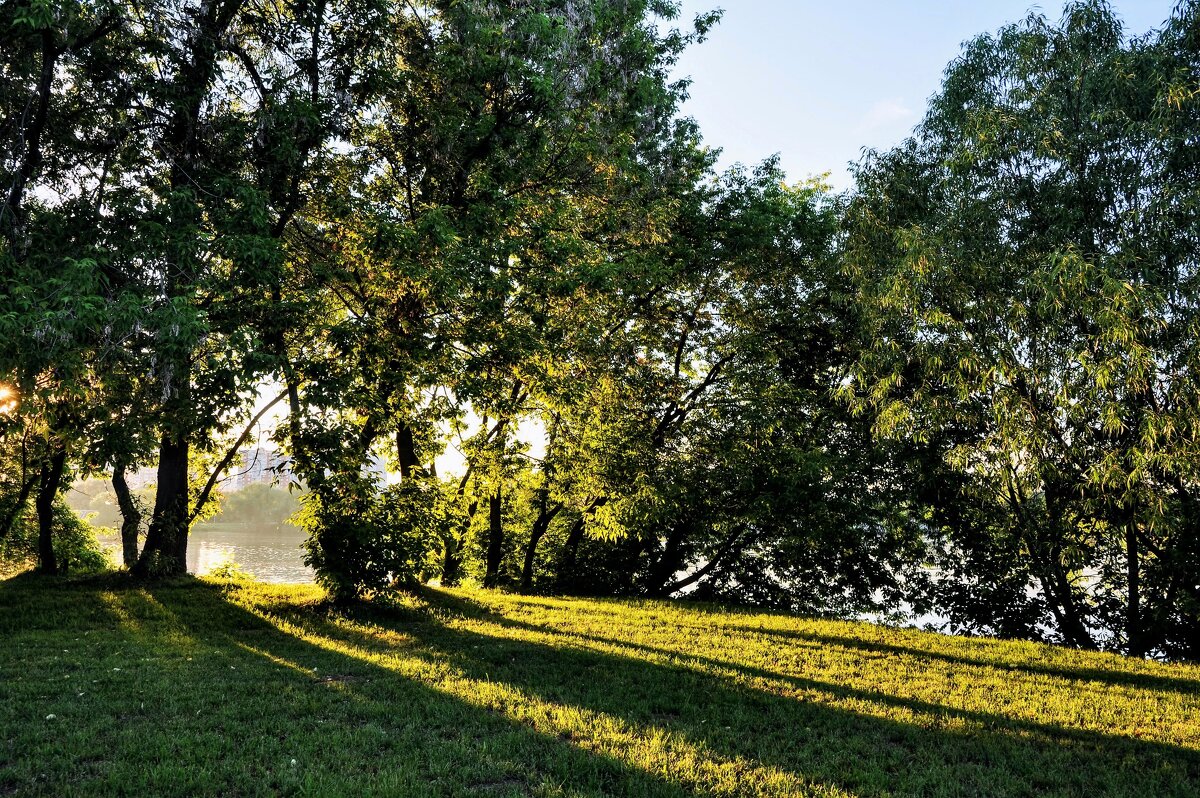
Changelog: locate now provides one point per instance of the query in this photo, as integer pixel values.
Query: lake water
(270, 554)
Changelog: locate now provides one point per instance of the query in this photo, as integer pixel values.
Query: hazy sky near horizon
(817, 81)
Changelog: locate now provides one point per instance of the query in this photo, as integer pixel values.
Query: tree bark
(11, 224)
(14, 512)
(49, 482)
(670, 561)
(564, 579)
(495, 547)
(540, 525)
(451, 563)
(1135, 640)
(1073, 629)
(131, 517)
(406, 451)
(165, 552)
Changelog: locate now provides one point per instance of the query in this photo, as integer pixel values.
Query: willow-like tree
(1029, 260)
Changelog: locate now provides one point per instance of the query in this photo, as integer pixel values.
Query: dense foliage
(481, 234)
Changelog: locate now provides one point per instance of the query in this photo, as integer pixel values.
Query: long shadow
(469, 609)
(369, 729)
(1147, 681)
(981, 753)
(218, 701)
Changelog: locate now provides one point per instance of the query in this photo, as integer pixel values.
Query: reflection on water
(269, 553)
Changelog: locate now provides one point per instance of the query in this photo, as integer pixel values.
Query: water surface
(269, 553)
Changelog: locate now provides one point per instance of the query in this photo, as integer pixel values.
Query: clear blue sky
(818, 80)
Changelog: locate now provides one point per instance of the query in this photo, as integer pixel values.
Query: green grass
(205, 688)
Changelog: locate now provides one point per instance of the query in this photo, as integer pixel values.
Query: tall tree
(1029, 258)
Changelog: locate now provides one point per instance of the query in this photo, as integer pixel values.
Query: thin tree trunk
(452, 554)
(30, 147)
(540, 525)
(14, 512)
(131, 517)
(495, 547)
(451, 564)
(49, 482)
(564, 579)
(1133, 607)
(670, 561)
(726, 547)
(1076, 633)
(230, 453)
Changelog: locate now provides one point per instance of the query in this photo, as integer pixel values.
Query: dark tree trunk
(568, 565)
(1133, 608)
(565, 578)
(29, 149)
(495, 547)
(12, 513)
(406, 451)
(1060, 589)
(451, 564)
(165, 552)
(540, 525)
(49, 482)
(131, 517)
(452, 555)
(1073, 627)
(669, 563)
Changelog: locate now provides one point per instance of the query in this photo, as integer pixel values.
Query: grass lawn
(208, 688)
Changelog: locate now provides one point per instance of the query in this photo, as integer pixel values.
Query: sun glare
(8, 400)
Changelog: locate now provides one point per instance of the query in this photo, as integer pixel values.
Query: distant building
(258, 465)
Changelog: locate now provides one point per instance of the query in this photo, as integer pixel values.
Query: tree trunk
(1073, 628)
(540, 525)
(451, 563)
(452, 555)
(495, 547)
(1133, 608)
(14, 512)
(165, 552)
(131, 517)
(564, 579)
(406, 451)
(49, 482)
(669, 563)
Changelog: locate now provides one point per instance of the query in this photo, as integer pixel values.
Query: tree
(1028, 258)
(481, 189)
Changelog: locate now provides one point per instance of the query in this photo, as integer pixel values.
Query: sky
(818, 80)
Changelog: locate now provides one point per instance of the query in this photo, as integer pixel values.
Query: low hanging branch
(202, 499)
(726, 547)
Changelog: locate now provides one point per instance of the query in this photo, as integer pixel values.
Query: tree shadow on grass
(922, 748)
(230, 697)
(1003, 661)
(211, 699)
(1143, 681)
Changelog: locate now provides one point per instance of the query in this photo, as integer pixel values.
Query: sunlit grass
(239, 688)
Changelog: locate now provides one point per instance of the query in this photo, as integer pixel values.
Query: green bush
(363, 539)
(75, 543)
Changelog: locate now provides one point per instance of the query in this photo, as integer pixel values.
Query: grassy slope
(199, 688)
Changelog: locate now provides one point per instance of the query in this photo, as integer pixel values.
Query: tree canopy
(964, 387)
